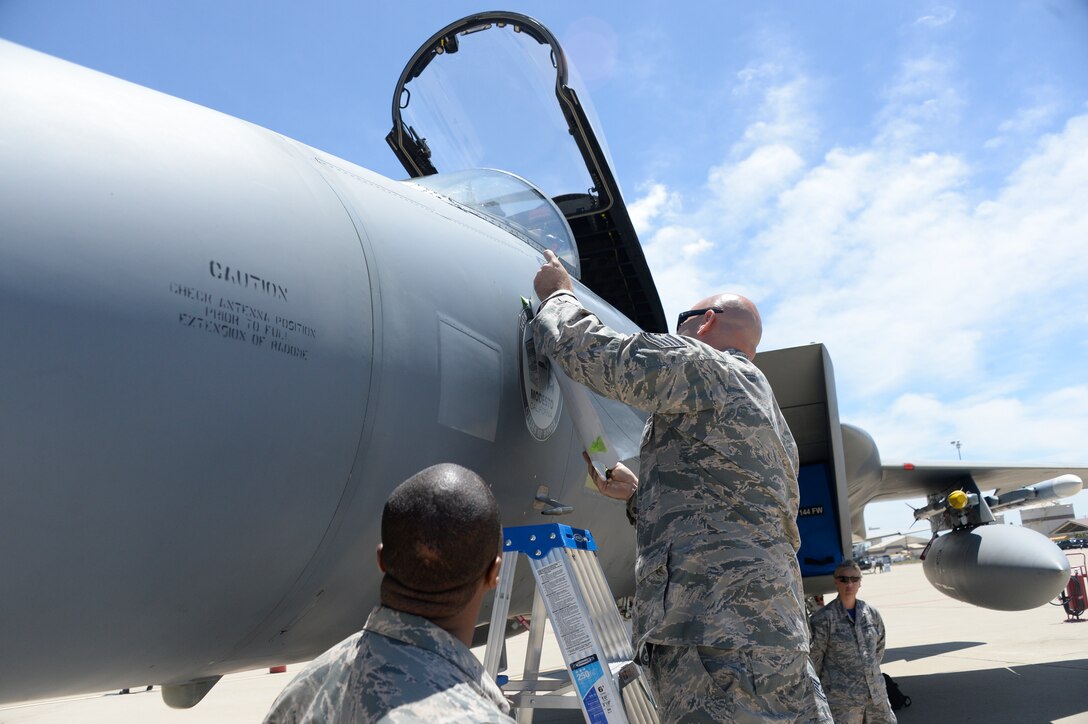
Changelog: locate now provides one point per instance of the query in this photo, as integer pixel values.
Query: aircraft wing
(1018, 485)
(1005, 568)
(913, 480)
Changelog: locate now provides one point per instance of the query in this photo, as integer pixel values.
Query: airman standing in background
(847, 648)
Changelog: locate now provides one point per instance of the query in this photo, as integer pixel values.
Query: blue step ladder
(572, 593)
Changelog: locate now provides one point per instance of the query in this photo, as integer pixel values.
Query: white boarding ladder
(572, 590)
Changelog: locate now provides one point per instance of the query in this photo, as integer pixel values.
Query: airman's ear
(491, 578)
(706, 323)
(381, 564)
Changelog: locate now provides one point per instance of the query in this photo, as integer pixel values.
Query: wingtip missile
(1063, 486)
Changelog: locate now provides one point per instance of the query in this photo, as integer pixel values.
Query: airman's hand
(552, 277)
(618, 481)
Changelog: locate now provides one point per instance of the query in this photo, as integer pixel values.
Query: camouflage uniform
(399, 668)
(717, 507)
(847, 654)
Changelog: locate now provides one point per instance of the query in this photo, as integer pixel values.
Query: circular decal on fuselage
(539, 388)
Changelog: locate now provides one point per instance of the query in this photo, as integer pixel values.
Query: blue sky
(905, 182)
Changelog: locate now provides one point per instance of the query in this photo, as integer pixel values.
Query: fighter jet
(224, 348)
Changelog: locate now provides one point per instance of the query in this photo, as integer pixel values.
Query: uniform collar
(859, 605)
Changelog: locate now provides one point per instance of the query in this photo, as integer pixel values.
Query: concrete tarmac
(959, 664)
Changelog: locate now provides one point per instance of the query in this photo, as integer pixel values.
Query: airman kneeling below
(411, 661)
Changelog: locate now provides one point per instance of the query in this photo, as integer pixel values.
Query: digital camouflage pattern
(717, 498)
(399, 668)
(758, 686)
(846, 654)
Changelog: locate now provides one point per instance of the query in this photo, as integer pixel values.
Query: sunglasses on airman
(685, 316)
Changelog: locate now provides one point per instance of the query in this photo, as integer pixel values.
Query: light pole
(957, 444)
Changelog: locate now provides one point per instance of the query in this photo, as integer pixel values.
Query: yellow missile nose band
(957, 499)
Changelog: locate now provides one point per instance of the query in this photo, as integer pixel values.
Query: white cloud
(677, 256)
(1048, 428)
(941, 15)
(1024, 122)
(782, 116)
(954, 306)
(746, 186)
(917, 264)
(695, 248)
(644, 211)
(920, 104)
(873, 249)
(754, 75)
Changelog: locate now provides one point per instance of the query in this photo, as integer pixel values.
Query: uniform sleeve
(661, 373)
(632, 508)
(304, 694)
(880, 641)
(821, 632)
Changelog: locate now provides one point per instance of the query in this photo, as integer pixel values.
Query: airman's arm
(881, 639)
(654, 372)
(820, 634)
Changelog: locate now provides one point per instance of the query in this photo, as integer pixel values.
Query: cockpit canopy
(494, 91)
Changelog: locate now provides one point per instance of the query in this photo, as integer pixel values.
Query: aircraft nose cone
(997, 566)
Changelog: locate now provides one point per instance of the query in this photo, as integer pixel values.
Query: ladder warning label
(556, 588)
